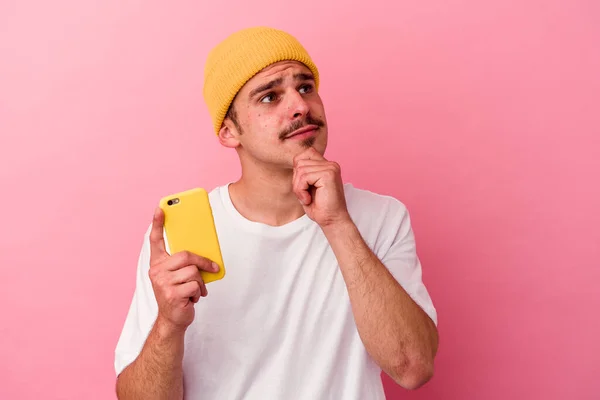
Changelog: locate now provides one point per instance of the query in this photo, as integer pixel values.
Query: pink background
(483, 117)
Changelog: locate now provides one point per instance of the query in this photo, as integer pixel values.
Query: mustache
(294, 126)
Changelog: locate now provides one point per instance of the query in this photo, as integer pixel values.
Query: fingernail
(215, 266)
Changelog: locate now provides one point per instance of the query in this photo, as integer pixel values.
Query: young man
(323, 287)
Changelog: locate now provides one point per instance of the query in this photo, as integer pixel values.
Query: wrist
(340, 227)
(167, 329)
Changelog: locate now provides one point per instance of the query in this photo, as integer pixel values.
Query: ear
(228, 134)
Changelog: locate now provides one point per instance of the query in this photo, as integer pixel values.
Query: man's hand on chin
(318, 185)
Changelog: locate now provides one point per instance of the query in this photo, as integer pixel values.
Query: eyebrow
(266, 86)
(302, 76)
(276, 82)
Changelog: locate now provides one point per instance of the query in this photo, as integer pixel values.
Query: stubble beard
(308, 142)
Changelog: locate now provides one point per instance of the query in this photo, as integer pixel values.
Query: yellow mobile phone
(189, 225)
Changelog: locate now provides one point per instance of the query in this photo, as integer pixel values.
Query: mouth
(303, 132)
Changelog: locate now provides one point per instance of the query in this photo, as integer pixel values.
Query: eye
(268, 98)
(305, 89)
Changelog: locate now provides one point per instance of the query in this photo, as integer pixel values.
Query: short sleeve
(402, 260)
(141, 315)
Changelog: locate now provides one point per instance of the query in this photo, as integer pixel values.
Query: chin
(319, 144)
(320, 147)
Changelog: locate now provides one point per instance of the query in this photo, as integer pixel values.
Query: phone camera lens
(170, 202)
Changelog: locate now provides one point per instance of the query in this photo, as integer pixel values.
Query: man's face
(279, 114)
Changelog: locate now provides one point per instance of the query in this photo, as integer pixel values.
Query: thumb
(157, 241)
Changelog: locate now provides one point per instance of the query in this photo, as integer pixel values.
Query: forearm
(157, 373)
(396, 332)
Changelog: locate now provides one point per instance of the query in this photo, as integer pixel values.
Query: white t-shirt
(279, 324)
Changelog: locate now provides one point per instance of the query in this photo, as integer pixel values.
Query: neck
(266, 196)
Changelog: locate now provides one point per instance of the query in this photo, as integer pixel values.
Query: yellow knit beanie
(241, 56)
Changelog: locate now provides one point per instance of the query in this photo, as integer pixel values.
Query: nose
(297, 106)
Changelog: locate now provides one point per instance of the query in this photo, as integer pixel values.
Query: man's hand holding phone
(175, 278)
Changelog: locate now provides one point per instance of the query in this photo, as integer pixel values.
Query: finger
(185, 274)
(314, 179)
(302, 195)
(157, 241)
(307, 177)
(188, 274)
(185, 258)
(203, 289)
(309, 169)
(313, 154)
(188, 290)
(309, 154)
(296, 187)
(306, 162)
(202, 293)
